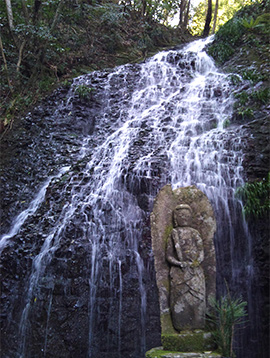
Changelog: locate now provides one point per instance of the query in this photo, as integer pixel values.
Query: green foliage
(247, 102)
(196, 25)
(243, 97)
(154, 9)
(226, 11)
(261, 96)
(255, 197)
(252, 75)
(241, 105)
(227, 39)
(238, 31)
(226, 123)
(66, 38)
(235, 79)
(112, 14)
(261, 22)
(227, 313)
(84, 92)
(250, 24)
(66, 84)
(246, 112)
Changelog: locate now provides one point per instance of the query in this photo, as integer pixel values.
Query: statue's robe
(187, 283)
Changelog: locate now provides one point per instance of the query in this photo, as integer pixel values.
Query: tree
(184, 8)
(208, 19)
(224, 11)
(10, 15)
(187, 16)
(215, 18)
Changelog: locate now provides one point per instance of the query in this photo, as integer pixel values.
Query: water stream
(88, 284)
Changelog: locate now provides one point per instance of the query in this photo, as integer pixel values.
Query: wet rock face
(39, 145)
(78, 279)
(257, 156)
(58, 321)
(50, 304)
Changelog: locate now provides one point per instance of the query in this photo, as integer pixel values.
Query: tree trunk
(20, 56)
(215, 18)
(181, 13)
(37, 5)
(208, 19)
(143, 7)
(10, 14)
(25, 11)
(186, 15)
(56, 15)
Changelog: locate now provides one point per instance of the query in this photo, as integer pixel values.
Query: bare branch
(5, 64)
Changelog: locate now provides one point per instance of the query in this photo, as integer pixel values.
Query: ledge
(188, 341)
(159, 352)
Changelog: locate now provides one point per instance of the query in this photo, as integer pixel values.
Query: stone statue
(185, 254)
(182, 229)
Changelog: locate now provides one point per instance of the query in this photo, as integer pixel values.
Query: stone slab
(188, 341)
(159, 352)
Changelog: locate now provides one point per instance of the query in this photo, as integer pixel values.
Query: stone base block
(159, 352)
(188, 341)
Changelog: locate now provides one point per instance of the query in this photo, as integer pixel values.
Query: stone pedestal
(159, 352)
(188, 341)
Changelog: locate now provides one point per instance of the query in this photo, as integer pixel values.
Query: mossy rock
(189, 341)
(159, 352)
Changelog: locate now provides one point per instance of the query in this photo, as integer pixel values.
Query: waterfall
(86, 286)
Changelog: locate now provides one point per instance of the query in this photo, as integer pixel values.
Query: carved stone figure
(182, 228)
(185, 253)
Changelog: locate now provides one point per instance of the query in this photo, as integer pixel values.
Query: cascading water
(83, 281)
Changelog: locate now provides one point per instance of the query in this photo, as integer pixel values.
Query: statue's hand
(183, 264)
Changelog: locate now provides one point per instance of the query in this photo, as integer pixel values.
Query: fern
(255, 197)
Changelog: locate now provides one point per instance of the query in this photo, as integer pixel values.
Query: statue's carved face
(182, 216)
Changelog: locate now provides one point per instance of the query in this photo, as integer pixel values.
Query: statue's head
(182, 215)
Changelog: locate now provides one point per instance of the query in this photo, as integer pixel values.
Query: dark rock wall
(56, 296)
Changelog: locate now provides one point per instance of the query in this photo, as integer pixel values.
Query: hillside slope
(41, 53)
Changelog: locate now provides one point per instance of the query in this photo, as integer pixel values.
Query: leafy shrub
(262, 22)
(250, 23)
(246, 112)
(243, 97)
(261, 96)
(84, 92)
(255, 197)
(226, 40)
(235, 79)
(252, 75)
(235, 31)
(226, 123)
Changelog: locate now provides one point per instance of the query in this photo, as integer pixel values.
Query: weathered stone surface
(189, 341)
(160, 353)
(203, 222)
(185, 253)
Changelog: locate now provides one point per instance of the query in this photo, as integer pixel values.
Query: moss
(166, 324)
(190, 341)
(167, 233)
(156, 353)
(160, 353)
